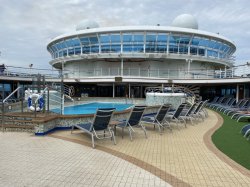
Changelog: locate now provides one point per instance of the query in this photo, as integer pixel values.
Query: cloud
(27, 25)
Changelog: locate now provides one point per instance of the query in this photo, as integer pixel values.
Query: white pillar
(121, 66)
(237, 93)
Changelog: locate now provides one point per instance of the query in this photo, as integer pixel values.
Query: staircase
(69, 91)
(194, 89)
(17, 122)
(24, 122)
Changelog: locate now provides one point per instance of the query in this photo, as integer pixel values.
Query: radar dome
(185, 21)
(87, 24)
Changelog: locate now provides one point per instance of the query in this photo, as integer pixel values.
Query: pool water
(91, 108)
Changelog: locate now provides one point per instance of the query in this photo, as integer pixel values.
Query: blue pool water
(91, 108)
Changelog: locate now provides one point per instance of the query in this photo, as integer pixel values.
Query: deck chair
(245, 131)
(134, 120)
(99, 127)
(198, 111)
(238, 107)
(212, 102)
(188, 114)
(176, 115)
(159, 118)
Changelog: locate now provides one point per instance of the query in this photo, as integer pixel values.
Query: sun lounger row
(228, 106)
(102, 126)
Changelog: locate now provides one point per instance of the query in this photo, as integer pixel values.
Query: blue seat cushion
(148, 119)
(86, 126)
(122, 123)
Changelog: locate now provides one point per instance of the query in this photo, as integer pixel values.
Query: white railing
(237, 71)
(161, 73)
(4, 101)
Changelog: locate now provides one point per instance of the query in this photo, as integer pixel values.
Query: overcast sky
(28, 25)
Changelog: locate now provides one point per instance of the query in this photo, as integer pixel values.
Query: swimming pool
(91, 108)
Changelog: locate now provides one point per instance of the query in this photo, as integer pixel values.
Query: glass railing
(235, 72)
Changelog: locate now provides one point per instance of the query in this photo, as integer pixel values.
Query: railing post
(2, 116)
(35, 109)
(22, 103)
(48, 101)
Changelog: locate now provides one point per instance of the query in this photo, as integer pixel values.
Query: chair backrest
(231, 102)
(190, 110)
(243, 104)
(214, 100)
(198, 108)
(179, 110)
(220, 100)
(136, 115)
(162, 112)
(247, 105)
(102, 118)
(225, 101)
(238, 103)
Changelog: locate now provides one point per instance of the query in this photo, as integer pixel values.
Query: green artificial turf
(231, 142)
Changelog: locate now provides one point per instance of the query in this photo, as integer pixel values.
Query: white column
(237, 93)
(121, 66)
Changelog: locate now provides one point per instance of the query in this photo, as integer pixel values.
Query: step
(18, 120)
(18, 126)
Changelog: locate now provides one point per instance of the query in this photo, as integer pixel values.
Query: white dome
(87, 24)
(185, 21)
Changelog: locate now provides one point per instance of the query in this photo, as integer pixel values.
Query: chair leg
(113, 135)
(72, 128)
(144, 129)
(93, 140)
(122, 131)
(159, 127)
(130, 134)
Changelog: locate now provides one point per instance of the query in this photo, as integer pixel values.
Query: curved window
(142, 42)
(133, 42)
(150, 43)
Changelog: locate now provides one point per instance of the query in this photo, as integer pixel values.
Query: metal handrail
(36, 101)
(11, 94)
(6, 99)
(42, 93)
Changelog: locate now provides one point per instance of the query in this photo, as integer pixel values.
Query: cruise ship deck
(183, 157)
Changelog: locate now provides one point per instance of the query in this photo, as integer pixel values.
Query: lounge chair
(100, 122)
(134, 120)
(218, 102)
(188, 114)
(235, 107)
(199, 112)
(245, 131)
(159, 118)
(227, 105)
(212, 102)
(222, 104)
(176, 115)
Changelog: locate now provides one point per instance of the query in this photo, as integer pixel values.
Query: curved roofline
(142, 28)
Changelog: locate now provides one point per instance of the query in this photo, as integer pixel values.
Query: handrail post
(22, 103)
(48, 101)
(35, 110)
(2, 116)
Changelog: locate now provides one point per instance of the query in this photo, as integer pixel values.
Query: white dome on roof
(87, 24)
(185, 21)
